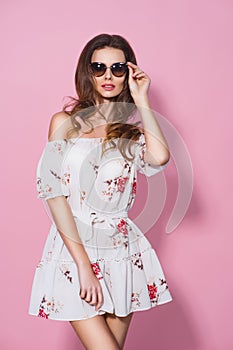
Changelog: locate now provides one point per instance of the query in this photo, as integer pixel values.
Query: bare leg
(119, 327)
(95, 334)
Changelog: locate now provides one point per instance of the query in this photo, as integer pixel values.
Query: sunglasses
(118, 69)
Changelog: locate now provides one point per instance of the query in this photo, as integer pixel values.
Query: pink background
(186, 49)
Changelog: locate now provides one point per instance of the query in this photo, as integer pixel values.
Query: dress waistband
(100, 214)
(102, 224)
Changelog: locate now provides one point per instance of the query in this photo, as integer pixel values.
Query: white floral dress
(100, 191)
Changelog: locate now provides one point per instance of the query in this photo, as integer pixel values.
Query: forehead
(108, 55)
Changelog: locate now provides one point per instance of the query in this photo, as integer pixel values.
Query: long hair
(85, 106)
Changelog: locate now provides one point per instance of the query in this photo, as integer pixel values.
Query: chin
(108, 96)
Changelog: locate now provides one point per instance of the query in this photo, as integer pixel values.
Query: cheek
(97, 84)
(121, 84)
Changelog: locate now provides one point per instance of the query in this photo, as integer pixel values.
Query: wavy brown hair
(85, 105)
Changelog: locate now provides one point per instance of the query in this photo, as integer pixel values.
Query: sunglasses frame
(111, 67)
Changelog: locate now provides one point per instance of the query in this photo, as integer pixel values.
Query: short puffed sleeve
(51, 179)
(141, 165)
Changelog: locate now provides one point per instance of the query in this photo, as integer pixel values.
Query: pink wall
(186, 48)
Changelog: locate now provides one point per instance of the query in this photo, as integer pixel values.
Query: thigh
(119, 326)
(94, 333)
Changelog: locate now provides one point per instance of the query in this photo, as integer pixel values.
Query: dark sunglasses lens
(119, 69)
(98, 69)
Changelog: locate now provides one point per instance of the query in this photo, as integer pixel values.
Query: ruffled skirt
(129, 272)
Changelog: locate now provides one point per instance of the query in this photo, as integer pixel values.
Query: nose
(108, 73)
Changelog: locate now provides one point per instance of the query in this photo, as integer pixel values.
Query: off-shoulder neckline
(83, 138)
(78, 138)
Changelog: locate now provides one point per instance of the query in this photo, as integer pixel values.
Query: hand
(90, 287)
(138, 80)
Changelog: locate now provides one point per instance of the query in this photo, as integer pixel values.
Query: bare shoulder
(59, 125)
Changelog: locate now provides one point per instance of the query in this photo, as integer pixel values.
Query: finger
(133, 68)
(100, 298)
(94, 298)
(82, 293)
(139, 77)
(88, 297)
(132, 64)
(130, 73)
(139, 73)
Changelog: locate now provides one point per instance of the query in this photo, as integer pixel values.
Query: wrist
(83, 264)
(142, 101)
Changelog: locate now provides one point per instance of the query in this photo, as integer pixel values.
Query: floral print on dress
(155, 292)
(49, 306)
(121, 239)
(50, 180)
(65, 270)
(96, 269)
(134, 187)
(135, 300)
(121, 183)
(152, 290)
(116, 184)
(122, 227)
(39, 265)
(95, 167)
(136, 260)
(143, 166)
(82, 196)
(49, 252)
(66, 178)
(132, 194)
(115, 181)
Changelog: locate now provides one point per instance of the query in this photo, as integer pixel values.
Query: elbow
(165, 160)
(160, 161)
(157, 161)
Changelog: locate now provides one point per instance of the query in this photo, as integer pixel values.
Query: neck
(105, 111)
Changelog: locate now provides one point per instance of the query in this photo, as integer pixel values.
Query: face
(108, 56)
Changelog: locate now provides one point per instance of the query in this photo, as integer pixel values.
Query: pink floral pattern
(134, 187)
(129, 270)
(152, 289)
(66, 272)
(51, 181)
(142, 166)
(97, 270)
(136, 260)
(135, 299)
(122, 226)
(49, 306)
(121, 183)
(116, 184)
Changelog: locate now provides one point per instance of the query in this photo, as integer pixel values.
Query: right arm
(65, 224)
(90, 288)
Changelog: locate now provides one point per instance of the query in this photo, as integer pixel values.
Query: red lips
(108, 85)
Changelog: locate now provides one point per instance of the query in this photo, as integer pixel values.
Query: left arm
(157, 150)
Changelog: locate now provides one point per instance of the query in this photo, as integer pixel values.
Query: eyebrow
(106, 64)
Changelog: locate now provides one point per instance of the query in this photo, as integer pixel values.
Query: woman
(97, 267)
